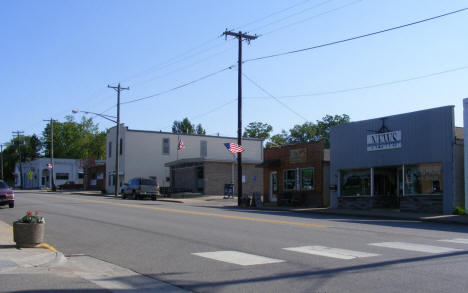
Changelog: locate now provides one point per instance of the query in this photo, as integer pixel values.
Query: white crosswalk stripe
(416, 247)
(238, 258)
(456, 240)
(331, 252)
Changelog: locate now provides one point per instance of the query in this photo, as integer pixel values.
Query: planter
(28, 234)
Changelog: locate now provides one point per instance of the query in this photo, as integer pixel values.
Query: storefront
(296, 174)
(407, 162)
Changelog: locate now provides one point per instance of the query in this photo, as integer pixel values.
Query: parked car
(121, 188)
(7, 196)
(71, 185)
(141, 188)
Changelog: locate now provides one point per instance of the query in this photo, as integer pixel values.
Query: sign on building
(384, 141)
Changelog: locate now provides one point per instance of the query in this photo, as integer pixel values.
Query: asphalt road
(210, 248)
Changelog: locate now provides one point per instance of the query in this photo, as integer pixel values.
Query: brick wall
(313, 158)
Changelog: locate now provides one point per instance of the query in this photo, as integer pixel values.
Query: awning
(269, 163)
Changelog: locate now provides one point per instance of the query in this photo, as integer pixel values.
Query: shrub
(459, 211)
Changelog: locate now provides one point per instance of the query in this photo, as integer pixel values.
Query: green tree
(186, 127)
(30, 147)
(75, 140)
(323, 127)
(311, 132)
(258, 130)
(278, 140)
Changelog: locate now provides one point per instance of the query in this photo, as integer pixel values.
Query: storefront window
(290, 179)
(423, 179)
(307, 179)
(355, 182)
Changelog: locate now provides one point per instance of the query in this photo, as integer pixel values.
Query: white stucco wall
(143, 152)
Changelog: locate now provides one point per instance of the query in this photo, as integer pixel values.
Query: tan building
(153, 154)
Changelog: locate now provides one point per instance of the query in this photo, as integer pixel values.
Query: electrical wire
(292, 15)
(340, 91)
(311, 17)
(276, 99)
(179, 86)
(356, 37)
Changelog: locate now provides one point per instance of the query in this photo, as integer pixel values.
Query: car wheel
(11, 205)
(124, 196)
(134, 195)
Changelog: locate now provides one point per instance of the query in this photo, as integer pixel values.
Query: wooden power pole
(240, 36)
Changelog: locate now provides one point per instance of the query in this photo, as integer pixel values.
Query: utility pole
(240, 36)
(117, 141)
(52, 181)
(18, 133)
(1, 153)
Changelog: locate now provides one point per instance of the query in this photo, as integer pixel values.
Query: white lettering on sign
(384, 141)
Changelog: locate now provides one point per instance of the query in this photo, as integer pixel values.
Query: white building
(36, 174)
(147, 153)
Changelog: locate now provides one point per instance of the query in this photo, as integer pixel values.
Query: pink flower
(29, 213)
(36, 213)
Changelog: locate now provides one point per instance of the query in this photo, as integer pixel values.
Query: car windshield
(147, 182)
(3, 185)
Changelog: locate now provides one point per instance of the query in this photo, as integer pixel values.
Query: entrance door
(385, 187)
(273, 186)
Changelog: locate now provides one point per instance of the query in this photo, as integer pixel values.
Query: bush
(459, 211)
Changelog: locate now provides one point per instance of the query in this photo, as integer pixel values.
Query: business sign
(384, 141)
(298, 155)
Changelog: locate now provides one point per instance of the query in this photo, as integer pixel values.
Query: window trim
(313, 178)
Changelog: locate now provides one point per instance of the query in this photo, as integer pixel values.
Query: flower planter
(28, 234)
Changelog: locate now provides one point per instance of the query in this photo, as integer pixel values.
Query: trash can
(229, 190)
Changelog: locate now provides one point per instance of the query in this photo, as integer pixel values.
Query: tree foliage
(186, 127)
(30, 148)
(309, 131)
(75, 140)
(258, 130)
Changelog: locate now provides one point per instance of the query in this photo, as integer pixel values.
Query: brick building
(296, 174)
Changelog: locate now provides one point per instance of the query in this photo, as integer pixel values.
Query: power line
(278, 100)
(311, 17)
(357, 37)
(272, 14)
(292, 15)
(178, 87)
(368, 86)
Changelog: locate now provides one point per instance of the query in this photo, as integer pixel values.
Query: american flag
(180, 144)
(234, 148)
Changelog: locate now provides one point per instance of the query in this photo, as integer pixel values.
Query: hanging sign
(384, 141)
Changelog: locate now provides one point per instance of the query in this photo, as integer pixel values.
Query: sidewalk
(31, 269)
(219, 200)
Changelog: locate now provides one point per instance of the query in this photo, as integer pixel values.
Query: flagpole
(178, 139)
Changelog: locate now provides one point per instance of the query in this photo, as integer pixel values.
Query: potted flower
(29, 230)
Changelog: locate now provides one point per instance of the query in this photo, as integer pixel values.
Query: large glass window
(307, 179)
(290, 179)
(165, 146)
(423, 179)
(61, 176)
(355, 182)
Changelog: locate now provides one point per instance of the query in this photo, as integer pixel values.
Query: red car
(7, 196)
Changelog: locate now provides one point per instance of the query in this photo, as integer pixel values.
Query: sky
(61, 55)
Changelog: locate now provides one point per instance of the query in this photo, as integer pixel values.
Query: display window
(355, 182)
(307, 179)
(423, 179)
(290, 179)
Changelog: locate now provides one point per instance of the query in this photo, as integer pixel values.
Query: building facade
(148, 154)
(410, 162)
(296, 174)
(36, 174)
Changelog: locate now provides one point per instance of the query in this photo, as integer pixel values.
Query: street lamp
(110, 118)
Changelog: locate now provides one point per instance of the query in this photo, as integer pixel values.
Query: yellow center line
(194, 213)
